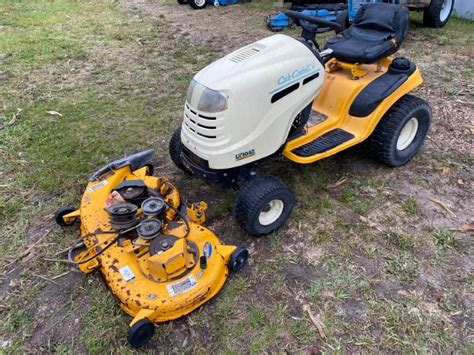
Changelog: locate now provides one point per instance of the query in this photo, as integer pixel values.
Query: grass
(372, 263)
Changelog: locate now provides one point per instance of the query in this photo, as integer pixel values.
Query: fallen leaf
(15, 116)
(468, 227)
(54, 113)
(446, 171)
(369, 222)
(443, 205)
(338, 183)
(316, 321)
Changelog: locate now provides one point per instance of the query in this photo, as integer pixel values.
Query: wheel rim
(271, 212)
(200, 2)
(445, 10)
(407, 134)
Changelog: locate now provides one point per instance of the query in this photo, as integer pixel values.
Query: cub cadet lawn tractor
(284, 96)
(153, 252)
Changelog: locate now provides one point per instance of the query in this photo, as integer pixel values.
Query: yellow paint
(146, 294)
(339, 90)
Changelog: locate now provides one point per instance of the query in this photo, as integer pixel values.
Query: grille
(243, 55)
(200, 125)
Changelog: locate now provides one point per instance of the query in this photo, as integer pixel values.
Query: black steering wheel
(314, 20)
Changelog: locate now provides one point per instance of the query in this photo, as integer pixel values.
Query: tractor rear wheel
(401, 132)
(263, 205)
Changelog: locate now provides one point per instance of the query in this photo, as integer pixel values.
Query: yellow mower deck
(343, 82)
(164, 286)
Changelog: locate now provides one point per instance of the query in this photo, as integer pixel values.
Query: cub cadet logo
(245, 155)
(295, 74)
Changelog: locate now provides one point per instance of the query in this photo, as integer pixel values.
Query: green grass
(118, 78)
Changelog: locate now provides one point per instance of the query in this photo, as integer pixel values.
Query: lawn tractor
(153, 252)
(285, 96)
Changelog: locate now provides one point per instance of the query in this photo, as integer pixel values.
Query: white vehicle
(280, 95)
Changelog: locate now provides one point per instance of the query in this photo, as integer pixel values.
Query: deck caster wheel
(198, 4)
(60, 213)
(140, 333)
(263, 205)
(401, 131)
(175, 148)
(238, 259)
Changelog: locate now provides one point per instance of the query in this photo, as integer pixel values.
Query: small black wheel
(263, 205)
(60, 213)
(238, 259)
(401, 131)
(437, 14)
(175, 148)
(140, 333)
(198, 4)
(182, 2)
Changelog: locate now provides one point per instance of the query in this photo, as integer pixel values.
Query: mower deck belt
(323, 143)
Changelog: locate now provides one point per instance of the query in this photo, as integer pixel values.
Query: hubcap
(271, 212)
(407, 134)
(445, 10)
(200, 2)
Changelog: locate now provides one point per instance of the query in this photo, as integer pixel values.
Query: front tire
(198, 4)
(175, 149)
(263, 205)
(401, 132)
(437, 14)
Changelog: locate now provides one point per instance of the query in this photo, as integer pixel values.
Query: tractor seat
(377, 31)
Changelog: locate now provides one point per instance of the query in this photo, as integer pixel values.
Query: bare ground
(376, 258)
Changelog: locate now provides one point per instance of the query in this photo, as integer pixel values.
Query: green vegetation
(85, 82)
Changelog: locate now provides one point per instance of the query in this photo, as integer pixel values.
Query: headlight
(212, 101)
(189, 95)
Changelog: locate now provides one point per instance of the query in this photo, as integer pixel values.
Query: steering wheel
(314, 20)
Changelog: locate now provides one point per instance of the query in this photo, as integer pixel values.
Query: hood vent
(243, 55)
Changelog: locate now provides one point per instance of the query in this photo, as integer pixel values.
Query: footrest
(323, 143)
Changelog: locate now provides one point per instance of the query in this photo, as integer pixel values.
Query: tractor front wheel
(263, 205)
(401, 131)
(175, 148)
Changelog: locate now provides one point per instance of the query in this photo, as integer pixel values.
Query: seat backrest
(381, 21)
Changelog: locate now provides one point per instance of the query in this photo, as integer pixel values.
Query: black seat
(377, 31)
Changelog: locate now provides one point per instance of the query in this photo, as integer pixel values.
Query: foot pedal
(323, 143)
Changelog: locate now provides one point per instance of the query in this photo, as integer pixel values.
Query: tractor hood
(243, 104)
(248, 62)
